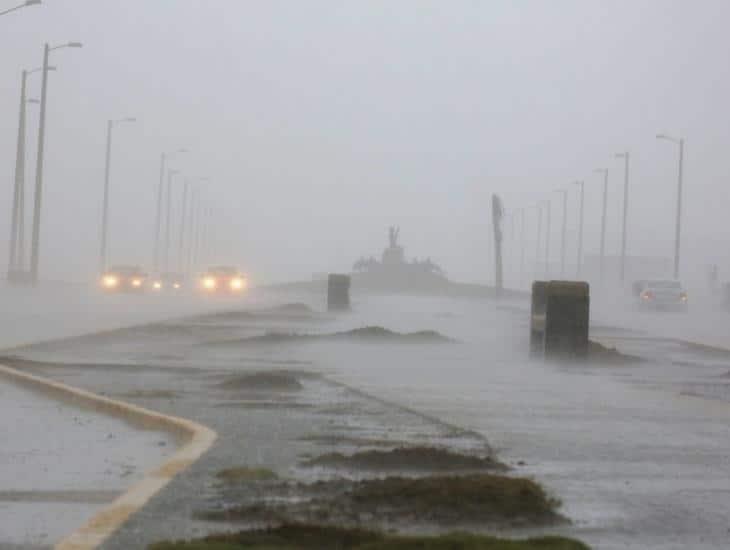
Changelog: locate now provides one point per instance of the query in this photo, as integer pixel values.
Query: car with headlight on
(167, 282)
(223, 280)
(124, 278)
(661, 294)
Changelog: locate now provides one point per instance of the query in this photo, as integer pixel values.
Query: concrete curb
(195, 439)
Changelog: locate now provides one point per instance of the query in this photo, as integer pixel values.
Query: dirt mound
(316, 537)
(414, 459)
(262, 381)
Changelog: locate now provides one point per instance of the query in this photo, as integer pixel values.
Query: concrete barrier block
(338, 292)
(537, 318)
(567, 317)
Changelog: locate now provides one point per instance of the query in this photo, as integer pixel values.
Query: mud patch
(262, 381)
(315, 537)
(264, 405)
(408, 459)
(333, 440)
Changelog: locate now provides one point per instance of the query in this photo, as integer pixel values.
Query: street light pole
(522, 245)
(105, 207)
(158, 216)
(563, 231)
(626, 157)
(678, 221)
(580, 226)
(13, 266)
(166, 262)
(183, 215)
(37, 199)
(603, 171)
(539, 237)
(547, 239)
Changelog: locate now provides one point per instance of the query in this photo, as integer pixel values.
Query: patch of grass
(437, 500)
(244, 474)
(309, 537)
(599, 353)
(453, 499)
(420, 459)
(263, 381)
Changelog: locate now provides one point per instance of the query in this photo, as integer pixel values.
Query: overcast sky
(320, 123)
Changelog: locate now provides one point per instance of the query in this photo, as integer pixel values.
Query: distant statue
(393, 233)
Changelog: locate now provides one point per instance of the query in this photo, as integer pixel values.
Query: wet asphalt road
(638, 454)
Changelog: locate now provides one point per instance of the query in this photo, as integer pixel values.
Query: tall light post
(17, 217)
(158, 216)
(626, 157)
(166, 260)
(539, 237)
(37, 199)
(603, 171)
(522, 245)
(183, 216)
(105, 207)
(678, 221)
(547, 238)
(582, 186)
(563, 231)
(193, 221)
(21, 6)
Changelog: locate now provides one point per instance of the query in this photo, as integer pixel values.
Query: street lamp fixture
(25, 4)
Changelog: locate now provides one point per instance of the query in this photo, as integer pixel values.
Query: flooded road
(637, 453)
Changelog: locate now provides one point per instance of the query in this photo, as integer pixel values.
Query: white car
(656, 294)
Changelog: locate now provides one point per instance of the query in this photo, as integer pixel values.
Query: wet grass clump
(459, 499)
(415, 459)
(262, 381)
(148, 394)
(244, 474)
(363, 334)
(598, 353)
(437, 500)
(312, 537)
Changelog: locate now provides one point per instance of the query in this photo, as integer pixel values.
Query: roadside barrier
(338, 292)
(194, 440)
(560, 319)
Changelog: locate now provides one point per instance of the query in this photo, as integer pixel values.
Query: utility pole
(678, 221)
(105, 205)
(497, 216)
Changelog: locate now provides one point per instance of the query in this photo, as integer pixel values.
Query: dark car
(124, 278)
(223, 280)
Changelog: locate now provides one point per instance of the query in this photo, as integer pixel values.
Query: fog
(321, 123)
